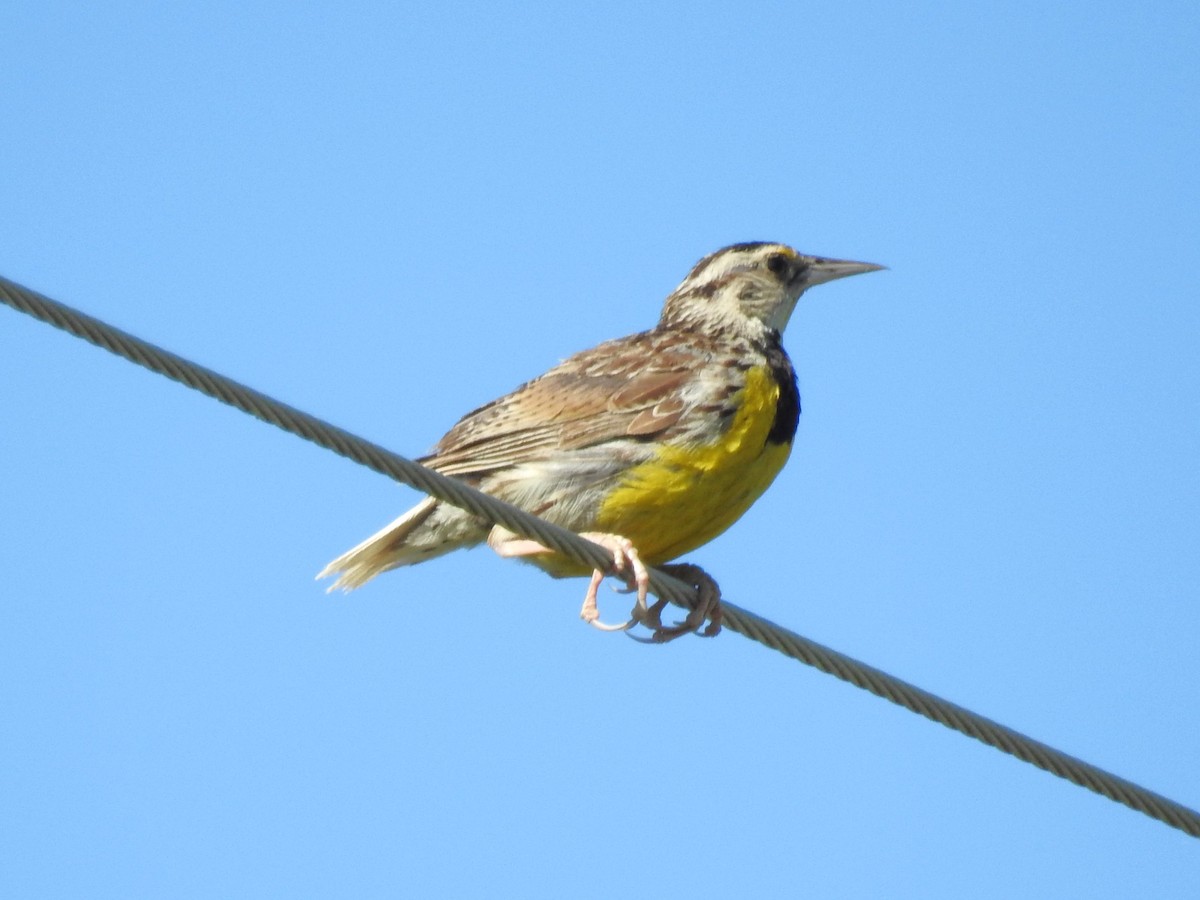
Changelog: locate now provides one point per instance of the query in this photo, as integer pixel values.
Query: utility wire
(593, 555)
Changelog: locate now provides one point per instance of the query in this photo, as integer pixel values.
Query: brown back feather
(629, 387)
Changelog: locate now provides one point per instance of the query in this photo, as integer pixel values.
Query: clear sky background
(387, 214)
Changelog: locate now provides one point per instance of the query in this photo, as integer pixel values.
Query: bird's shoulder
(641, 387)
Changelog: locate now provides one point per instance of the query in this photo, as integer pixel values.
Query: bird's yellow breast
(686, 495)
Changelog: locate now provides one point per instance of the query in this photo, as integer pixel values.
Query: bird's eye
(778, 263)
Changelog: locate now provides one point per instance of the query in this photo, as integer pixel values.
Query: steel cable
(593, 555)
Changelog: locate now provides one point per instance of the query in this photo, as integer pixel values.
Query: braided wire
(593, 555)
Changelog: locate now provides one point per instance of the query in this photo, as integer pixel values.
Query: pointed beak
(821, 270)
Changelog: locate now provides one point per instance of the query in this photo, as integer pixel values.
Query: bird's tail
(427, 530)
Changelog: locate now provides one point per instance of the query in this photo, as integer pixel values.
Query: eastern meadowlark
(650, 445)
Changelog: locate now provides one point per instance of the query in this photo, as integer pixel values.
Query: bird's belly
(686, 495)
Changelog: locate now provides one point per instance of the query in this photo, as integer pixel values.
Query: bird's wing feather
(631, 387)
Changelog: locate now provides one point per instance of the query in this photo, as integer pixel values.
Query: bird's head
(750, 289)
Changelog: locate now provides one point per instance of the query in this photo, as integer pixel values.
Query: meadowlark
(651, 445)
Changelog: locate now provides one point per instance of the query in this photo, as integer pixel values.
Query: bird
(650, 445)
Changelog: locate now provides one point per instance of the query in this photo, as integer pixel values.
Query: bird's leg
(626, 564)
(708, 606)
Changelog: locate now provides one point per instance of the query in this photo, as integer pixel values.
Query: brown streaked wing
(624, 388)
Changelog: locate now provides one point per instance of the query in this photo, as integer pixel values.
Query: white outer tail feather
(382, 551)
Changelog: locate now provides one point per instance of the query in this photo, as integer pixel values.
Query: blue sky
(389, 214)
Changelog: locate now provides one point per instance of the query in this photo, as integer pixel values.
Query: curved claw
(640, 639)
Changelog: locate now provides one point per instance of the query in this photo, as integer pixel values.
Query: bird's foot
(708, 606)
(628, 566)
